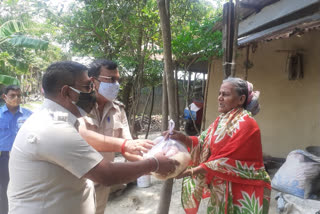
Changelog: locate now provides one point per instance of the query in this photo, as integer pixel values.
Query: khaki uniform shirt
(47, 163)
(113, 123)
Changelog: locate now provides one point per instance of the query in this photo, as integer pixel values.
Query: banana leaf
(28, 42)
(10, 32)
(8, 80)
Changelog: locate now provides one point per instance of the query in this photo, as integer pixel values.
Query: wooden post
(247, 62)
(227, 37)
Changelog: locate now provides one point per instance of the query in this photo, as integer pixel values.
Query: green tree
(24, 44)
(128, 32)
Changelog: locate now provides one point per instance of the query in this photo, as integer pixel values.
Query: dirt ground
(145, 200)
(139, 200)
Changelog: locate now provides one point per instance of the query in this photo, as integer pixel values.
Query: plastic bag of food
(172, 149)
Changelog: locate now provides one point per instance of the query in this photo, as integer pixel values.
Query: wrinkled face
(228, 98)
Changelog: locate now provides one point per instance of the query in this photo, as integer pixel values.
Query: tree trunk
(126, 95)
(144, 109)
(136, 87)
(165, 113)
(188, 88)
(164, 12)
(150, 114)
(177, 93)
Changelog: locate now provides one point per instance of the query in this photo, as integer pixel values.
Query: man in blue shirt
(12, 116)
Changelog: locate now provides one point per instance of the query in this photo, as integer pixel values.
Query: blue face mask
(86, 101)
(109, 90)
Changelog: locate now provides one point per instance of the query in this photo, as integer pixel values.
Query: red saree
(236, 181)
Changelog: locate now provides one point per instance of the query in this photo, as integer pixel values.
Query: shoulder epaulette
(117, 102)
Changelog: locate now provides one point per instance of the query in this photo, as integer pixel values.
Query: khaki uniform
(113, 122)
(47, 164)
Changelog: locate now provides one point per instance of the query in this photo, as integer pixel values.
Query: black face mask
(86, 101)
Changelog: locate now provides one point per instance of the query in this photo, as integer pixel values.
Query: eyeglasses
(109, 79)
(87, 87)
(12, 96)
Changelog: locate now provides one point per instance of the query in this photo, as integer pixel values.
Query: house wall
(290, 110)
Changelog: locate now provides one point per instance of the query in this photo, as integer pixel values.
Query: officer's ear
(65, 91)
(96, 84)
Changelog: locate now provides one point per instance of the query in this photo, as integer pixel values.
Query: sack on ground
(299, 175)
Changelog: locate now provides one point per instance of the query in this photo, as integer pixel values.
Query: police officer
(109, 119)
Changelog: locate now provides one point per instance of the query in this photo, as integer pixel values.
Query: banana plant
(12, 32)
(8, 80)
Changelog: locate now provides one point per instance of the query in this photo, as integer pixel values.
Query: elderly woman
(227, 163)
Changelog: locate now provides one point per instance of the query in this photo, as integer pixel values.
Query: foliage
(9, 32)
(127, 32)
(196, 38)
(114, 29)
(24, 44)
(8, 80)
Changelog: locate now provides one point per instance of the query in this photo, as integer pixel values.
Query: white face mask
(109, 90)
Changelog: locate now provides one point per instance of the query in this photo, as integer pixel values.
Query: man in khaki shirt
(109, 118)
(51, 163)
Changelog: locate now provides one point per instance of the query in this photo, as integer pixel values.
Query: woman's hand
(185, 173)
(178, 136)
(192, 172)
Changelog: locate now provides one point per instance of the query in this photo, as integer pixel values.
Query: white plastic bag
(172, 149)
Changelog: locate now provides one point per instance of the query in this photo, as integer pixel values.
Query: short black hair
(59, 74)
(11, 87)
(94, 67)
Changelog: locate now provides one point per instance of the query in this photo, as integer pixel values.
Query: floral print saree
(230, 151)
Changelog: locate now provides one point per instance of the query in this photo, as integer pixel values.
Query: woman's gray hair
(243, 87)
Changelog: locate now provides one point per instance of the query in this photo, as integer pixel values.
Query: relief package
(172, 149)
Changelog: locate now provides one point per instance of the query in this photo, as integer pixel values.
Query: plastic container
(144, 181)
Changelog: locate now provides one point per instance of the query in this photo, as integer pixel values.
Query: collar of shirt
(56, 108)
(106, 109)
(4, 108)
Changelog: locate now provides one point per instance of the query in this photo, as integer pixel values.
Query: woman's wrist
(191, 172)
(188, 141)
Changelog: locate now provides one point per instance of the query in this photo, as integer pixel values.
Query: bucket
(144, 181)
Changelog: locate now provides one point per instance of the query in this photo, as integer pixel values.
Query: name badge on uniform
(20, 122)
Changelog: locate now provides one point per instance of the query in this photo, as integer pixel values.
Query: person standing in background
(12, 116)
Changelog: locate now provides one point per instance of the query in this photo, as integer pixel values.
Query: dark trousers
(4, 180)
